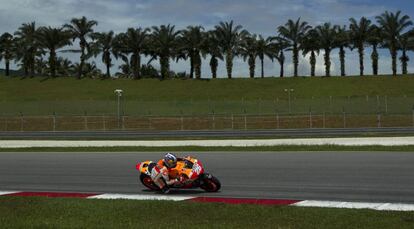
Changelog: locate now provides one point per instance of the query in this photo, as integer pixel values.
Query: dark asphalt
(208, 133)
(351, 176)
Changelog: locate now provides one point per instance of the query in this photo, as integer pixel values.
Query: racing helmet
(170, 160)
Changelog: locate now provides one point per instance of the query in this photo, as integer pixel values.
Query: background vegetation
(36, 49)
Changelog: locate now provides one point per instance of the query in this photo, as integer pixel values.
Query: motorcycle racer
(170, 162)
(164, 173)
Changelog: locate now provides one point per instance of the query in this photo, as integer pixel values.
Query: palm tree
(359, 34)
(164, 44)
(405, 43)
(125, 70)
(28, 47)
(212, 48)
(53, 39)
(230, 38)
(327, 35)
(135, 43)
(294, 32)
(392, 25)
(40, 65)
(375, 39)
(105, 44)
(90, 70)
(310, 44)
(265, 47)
(277, 47)
(7, 49)
(342, 41)
(280, 56)
(81, 29)
(192, 43)
(64, 67)
(149, 71)
(248, 50)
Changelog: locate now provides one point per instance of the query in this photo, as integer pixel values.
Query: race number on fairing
(196, 168)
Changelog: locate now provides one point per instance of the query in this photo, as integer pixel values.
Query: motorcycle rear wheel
(147, 182)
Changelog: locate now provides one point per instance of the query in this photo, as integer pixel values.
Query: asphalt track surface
(342, 176)
(209, 133)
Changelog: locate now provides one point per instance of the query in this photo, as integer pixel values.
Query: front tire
(147, 182)
(211, 184)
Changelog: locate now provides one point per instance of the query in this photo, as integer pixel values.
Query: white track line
(356, 205)
(140, 197)
(304, 203)
(384, 141)
(2, 193)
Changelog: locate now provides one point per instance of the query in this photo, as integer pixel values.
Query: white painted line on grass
(355, 205)
(363, 141)
(140, 197)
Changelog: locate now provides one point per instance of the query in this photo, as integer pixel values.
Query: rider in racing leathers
(164, 173)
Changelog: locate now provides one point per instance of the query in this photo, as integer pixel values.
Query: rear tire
(147, 182)
(211, 184)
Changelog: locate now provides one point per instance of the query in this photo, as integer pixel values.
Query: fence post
(123, 122)
(413, 115)
(386, 105)
(232, 121)
(103, 122)
(21, 122)
(54, 121)
(277, 121)
(323, 119)
(344, 116)
(330, 103)
(85, 120)
(214, 121)
(379, 120)
(378, 103)
(310, 118)
(245, 120)
(182, 122)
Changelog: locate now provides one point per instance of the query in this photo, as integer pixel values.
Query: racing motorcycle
(190, 169)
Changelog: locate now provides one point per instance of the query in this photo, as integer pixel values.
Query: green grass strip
(281, 148)
(40, 212)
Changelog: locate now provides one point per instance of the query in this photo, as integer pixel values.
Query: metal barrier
(203, 122)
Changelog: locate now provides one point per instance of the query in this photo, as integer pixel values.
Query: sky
(259, 17)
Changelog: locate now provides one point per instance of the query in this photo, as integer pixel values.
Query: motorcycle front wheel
(211, 183)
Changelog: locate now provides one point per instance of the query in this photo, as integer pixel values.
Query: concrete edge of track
(357, 141)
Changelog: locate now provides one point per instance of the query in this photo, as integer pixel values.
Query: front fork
(203, 177)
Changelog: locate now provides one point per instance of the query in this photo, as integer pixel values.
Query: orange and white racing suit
(162, 175)
(159, 174)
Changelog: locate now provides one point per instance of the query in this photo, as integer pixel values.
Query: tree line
(30, 45)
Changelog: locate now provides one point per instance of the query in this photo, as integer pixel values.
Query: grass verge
(40, 212)
(48, 96)
(282, 148)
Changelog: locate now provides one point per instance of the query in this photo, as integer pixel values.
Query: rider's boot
(165, 189)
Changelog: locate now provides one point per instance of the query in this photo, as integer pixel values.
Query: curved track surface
(348, 176)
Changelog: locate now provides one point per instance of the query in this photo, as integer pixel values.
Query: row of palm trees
(29, 45)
